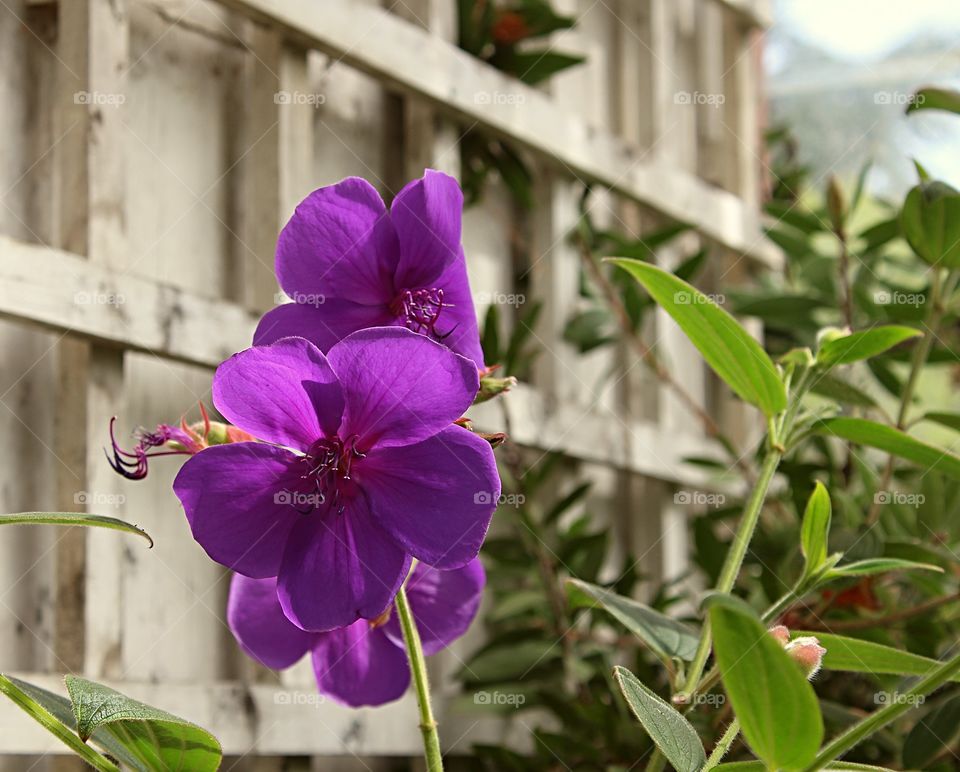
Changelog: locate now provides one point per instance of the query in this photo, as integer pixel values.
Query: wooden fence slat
(378, 43)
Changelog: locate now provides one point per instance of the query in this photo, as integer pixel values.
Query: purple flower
(349, 264)
(360, 467)
(364, 663)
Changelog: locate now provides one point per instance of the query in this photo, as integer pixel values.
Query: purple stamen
(420, 311)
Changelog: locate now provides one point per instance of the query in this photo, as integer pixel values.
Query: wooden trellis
(151, 157)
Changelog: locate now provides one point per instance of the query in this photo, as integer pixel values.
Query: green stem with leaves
(418, 667)
(880, 718)
(920, 355)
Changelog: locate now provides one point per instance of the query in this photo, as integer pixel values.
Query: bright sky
(866, 29)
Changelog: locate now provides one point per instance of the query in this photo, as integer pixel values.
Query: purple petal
(339, 243)
(338, 568)
(284, 393)
(444, 604)
(323, 324)
(358, 665)
(229, 493)
(427, 216)
(435, 498)
(400, 387)
(257, 622)
(458, 319)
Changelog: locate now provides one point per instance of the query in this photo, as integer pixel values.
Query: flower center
(419, 310)
(325, 475)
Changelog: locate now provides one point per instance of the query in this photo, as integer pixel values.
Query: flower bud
(806, 650)
(491, 387)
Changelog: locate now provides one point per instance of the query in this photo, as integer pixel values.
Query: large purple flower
(349, 264)
(360, 467)
(365, 663)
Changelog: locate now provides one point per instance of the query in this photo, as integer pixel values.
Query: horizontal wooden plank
(410, 60)
(65, 293)
(141, 314)
(265, 720)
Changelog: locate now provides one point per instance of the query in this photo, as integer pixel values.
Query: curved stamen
(420, 311)
(326, 468)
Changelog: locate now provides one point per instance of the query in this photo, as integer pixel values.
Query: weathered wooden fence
(152, 150)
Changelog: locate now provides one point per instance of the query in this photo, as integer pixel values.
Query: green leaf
(864, 344)
(28, 703)
(777, 707)
(950, 420)
(815, 530)
(664, 635)
(853, 655)
(161, 741)
(73, 518)
(872, 566)
(61, 709)
(534, 67)
(834, 766)
(932, 735)
(933, 98)
(490, 343)
(671, 732)
(893, 441)
(735, 356)
(930, 220)
(564, 504)
(827, 385)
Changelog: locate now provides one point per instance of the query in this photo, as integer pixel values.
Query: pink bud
(806, 651)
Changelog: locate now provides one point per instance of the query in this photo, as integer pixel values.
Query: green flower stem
(418, 667)
(732, 564)
(723, 745)
(880, 718)
(60, 730)
(920, 355)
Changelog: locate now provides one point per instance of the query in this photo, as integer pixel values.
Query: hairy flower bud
(806, 650)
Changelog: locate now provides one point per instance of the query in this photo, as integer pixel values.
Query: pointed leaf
(872, 566)
(892, 441)
(73, 518)
(827, 385)
(777, 707)
(934, 734)
(864, 344)
(161, 741)
(735, 356)
(950, 420)
(853, 655)
(815, 530)
(28, 703)
(671, 732)
(664, 635)
(933, 98)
